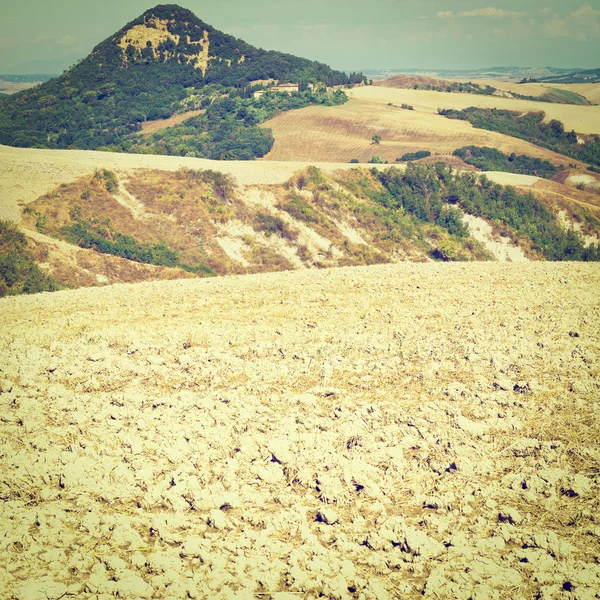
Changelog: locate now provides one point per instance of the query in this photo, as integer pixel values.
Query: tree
(376, 139)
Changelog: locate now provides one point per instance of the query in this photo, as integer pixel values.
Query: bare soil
(384, 432)
(150, 127)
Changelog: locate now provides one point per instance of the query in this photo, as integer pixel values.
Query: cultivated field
(591, 91)
(341, 133)
(583, 119)
(371, 433)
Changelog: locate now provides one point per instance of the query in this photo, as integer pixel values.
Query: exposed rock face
(396, 431)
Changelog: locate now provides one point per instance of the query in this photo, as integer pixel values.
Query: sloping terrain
(582, 119)
(101, 227)
(164, 62)
(383, 432)
(342, 133)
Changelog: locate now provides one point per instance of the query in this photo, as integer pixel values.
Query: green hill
(163, 62)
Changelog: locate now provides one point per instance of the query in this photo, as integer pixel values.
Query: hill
(102, 226)
(582, 119)
(587, 76)
(549, 94)
(414, 431)
(165, 61)
(342, 133)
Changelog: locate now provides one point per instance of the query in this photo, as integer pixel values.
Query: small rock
(327, 516)
(217, 519)
(133, 586)
(579, 485)
(510, 515)
(96, 357)
(6, 386)
(504, 383)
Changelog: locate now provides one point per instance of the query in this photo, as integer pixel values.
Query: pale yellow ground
(407, 431)
(341, 133)
(591, 91)
(583, 119)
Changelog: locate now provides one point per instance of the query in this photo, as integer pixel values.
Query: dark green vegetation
(102, 101)
(414, 155)
(228, 129)
(531, 127)
(562, 97)
(456, 86)
(588, 76)
(432, 193)
(492, 159)
(19, 274)
(100, 235)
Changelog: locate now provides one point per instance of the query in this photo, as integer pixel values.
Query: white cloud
(583, 23)
(489, 12)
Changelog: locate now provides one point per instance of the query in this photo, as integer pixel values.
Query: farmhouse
(285, 88)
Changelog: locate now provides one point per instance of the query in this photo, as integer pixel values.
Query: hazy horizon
(38, 37)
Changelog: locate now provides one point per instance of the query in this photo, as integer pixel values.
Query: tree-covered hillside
(146, 71)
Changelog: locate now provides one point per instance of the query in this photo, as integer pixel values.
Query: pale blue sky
(347, 34)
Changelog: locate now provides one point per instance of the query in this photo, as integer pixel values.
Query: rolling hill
(165, 61)
(142, 222)
(587, 76)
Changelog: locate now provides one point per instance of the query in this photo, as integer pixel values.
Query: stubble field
(582, 119)
(341, 133)
(372, 433)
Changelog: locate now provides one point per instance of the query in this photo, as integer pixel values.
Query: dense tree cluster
(492, 159)
(228, 129)
(102, 101)
(533, 128)
(432, 193)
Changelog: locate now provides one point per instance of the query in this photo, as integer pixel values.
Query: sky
(37, 36)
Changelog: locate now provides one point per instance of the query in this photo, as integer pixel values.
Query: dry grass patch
(150, 127)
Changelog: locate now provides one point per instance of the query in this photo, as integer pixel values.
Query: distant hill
(165, 61)
(487, 73)
(590, 76)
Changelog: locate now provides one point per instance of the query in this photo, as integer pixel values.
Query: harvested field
(150, 127)
(341, 133)
(12, 87)
(583, 119)
(382, 432)
(45, 169)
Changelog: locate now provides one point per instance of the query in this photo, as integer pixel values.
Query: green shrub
(414, 155)
(492, 159)
(19, 274)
